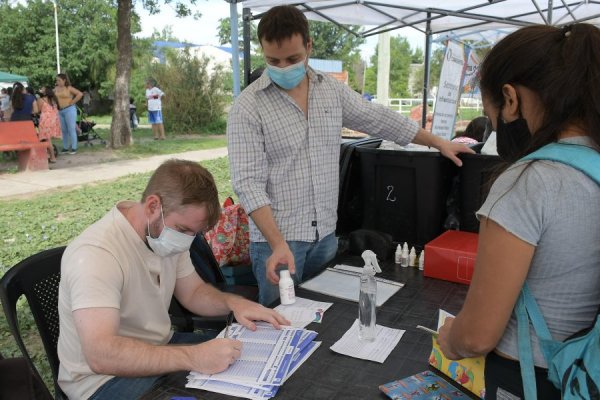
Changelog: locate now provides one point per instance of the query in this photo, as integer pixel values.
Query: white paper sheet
(303, 311)
(377, 350)
(346, 285)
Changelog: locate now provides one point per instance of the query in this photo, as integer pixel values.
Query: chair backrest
(37, 278)
(205, 262)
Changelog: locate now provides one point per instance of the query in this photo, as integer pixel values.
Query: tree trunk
(120, 130)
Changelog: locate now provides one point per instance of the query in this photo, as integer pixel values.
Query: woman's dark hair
(65, 78)
(562, 67)
(16, 99)
(476, 128)
(51, 97)
(282, 22)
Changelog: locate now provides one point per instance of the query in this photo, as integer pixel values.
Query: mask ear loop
(162, 217)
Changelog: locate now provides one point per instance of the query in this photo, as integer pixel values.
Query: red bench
(20, 136)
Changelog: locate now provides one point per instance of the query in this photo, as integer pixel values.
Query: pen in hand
(228, 323)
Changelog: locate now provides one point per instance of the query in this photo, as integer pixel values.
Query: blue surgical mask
(170, 241)
(288, 77)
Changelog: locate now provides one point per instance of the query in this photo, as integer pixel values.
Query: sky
(204, 30)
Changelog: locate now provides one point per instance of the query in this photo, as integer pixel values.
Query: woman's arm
(34, 106)
(502, 264)
(77, 95)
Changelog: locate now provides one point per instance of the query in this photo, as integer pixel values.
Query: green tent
(7, 77)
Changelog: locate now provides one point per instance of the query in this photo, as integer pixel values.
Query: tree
(87, 36)
(224, 32)
(120, 129)
(401, 56)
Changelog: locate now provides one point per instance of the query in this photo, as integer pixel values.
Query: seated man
(117, 281)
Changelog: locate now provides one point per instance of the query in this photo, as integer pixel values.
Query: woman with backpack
(540, 224)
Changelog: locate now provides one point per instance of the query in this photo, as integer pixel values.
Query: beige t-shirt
(109, 265)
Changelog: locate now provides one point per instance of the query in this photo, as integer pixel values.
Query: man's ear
(152, 205)
(510, 109)
(309, 44)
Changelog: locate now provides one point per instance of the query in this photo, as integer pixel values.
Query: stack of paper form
(269, 356)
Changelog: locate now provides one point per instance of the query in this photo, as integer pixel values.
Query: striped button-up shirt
(282, 159)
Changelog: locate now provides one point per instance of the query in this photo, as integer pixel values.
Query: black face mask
(512, 139)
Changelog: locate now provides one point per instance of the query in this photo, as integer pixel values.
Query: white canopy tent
(465, 19)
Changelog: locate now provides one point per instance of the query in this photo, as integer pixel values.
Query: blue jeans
(131, 388)
(310, 259)
(68, 122)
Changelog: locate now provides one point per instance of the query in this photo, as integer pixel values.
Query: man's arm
(380, 121)
(110, 354)
(203, 299)
(282, 255)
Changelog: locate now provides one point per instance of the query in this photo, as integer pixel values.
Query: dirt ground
(100, 155)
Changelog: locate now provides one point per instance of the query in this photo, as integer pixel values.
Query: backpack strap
(586, 160)
(582, 158)
(527, 310)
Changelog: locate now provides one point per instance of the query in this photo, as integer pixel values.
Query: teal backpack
(573, 365)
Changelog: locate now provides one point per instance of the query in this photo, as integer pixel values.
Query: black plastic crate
(404, 193)
(475, 180)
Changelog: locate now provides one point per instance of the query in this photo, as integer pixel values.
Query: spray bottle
(367, 299)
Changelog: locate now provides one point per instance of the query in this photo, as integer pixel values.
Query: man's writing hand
(215, 355)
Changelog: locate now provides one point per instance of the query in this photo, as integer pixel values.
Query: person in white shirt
(154, 98)
(118, 278)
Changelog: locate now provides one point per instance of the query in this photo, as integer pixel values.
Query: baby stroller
(85, 129)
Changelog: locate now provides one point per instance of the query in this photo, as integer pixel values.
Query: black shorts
(503, 375)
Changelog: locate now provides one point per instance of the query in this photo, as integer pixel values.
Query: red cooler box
(451, 256)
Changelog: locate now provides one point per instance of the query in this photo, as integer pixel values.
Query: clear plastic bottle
(398, 254)
(412, 258)
(422, 260)
(287, 295)
(367, 299)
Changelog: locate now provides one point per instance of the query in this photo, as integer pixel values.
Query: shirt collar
(265, 80)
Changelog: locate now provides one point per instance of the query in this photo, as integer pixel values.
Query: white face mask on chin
(170, 241)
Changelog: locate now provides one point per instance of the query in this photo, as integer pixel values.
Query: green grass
(50, 220)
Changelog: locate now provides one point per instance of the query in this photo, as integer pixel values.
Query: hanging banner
(470, 84)
(449, 91)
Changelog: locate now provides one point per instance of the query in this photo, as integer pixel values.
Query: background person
(23, 104)
(154, 98)
(540, 223)
(4, 103)
(282, 143)
(49, 125)
(118, 278)
(67, 96)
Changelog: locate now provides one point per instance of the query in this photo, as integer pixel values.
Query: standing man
(284, 134)
(118, 278)
(154, 98)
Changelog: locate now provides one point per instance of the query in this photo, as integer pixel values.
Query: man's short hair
(179, 183)
(281, 23)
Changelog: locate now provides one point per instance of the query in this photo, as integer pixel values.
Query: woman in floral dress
(49, 126)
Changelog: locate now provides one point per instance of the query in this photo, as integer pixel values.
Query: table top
(329, 375)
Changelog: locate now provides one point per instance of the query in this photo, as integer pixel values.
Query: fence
(467, 105)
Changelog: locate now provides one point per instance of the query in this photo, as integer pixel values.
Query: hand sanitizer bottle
(398, 254)
(367, 299)
(287, 295)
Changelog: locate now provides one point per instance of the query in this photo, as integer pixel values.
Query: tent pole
(426, 69)
(550, 7)
(235, 48)
(246, 16)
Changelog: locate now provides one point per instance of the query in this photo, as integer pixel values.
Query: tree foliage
(401, 56)
(194, 95)
(87, 34)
